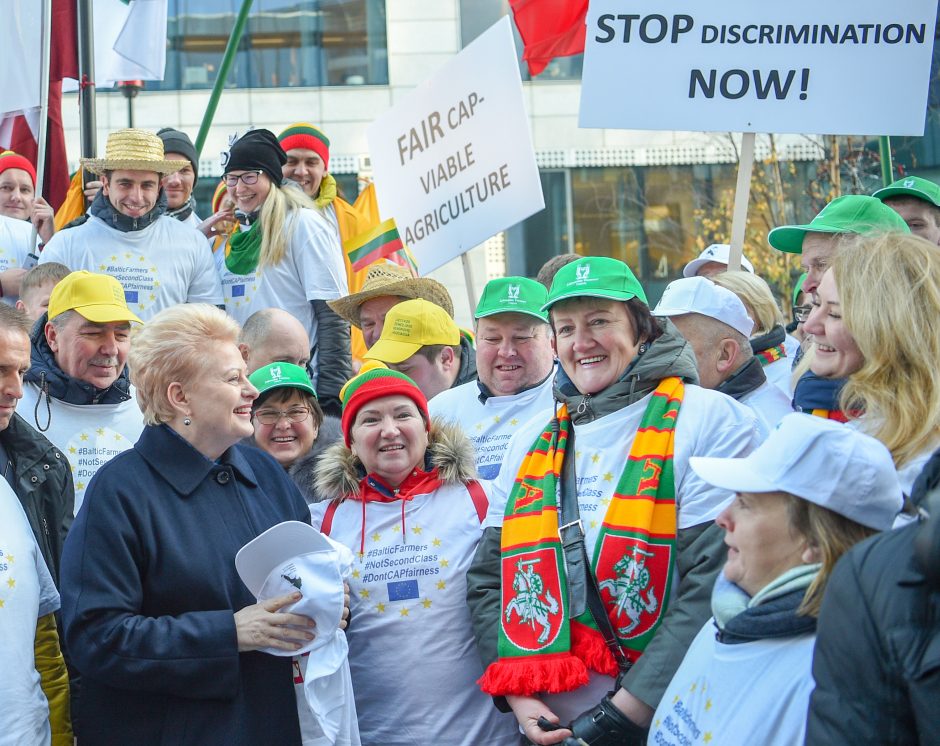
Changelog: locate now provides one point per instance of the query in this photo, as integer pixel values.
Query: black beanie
(257, 149)
(175, 141)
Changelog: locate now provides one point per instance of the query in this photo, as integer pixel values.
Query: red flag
(549, 29)
(63, 64)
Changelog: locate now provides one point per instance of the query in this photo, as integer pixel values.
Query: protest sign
(803, 66)
(453, 160)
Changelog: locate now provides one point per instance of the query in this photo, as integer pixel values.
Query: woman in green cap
(601, 510)
(289, 424)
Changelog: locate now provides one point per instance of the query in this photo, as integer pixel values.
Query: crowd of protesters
(586, 521)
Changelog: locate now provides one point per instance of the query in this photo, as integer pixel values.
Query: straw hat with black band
(391, 279)
(133, 150)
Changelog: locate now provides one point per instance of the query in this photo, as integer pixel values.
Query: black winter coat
(149, 592)
(43, 483)
(877, 658)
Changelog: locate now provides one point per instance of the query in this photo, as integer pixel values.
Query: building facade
(653, 199)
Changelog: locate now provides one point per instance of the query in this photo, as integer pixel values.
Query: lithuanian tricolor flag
(373, 245)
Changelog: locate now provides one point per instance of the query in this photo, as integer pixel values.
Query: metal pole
(43, 104)
(130, 112)
(887, 167)
(86, 75)
(231, 48)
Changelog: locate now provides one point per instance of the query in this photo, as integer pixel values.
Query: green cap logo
(512, 295)
(597, 277)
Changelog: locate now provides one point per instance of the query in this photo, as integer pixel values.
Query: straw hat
(133, 150)
(392, 279)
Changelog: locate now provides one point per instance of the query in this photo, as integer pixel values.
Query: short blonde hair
(172, 347)
(897, 389)
(757, 297)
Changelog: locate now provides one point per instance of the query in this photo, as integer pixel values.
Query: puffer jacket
(877, 659)
(701, 551)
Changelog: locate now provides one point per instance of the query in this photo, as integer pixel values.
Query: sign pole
(887, 167)
(468, 278)
(742, 195)
(43, 105)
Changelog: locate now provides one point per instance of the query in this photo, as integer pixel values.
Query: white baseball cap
(717, 252)
(294, 556)
(821, 461)
(701, 295)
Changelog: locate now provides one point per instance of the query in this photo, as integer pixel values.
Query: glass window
(287, 43)
(476, 16)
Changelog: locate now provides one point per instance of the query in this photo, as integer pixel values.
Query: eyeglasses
(248, 178)
(801, 313)
(273, 416)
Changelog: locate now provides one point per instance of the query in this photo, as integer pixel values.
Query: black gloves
(605, 725)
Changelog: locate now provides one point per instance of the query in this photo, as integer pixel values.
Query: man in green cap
(515, 363)
(917, 201)
(818, 241)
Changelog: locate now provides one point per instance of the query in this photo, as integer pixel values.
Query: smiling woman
(887, 351)
(163, 629)
(284, 255)
(627, 418)
(404, 500)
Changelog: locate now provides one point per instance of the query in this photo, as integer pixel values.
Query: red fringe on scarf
(555, 672)
(588, 645)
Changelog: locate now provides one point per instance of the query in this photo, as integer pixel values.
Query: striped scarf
(771, 355)
(540, 648)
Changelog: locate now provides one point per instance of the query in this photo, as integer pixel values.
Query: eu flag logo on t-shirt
(130, 296)
(402, 590)
(238, 291)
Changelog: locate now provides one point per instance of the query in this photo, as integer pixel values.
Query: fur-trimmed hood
(338, 473)
(303, 470)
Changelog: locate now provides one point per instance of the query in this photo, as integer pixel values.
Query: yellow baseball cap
(99, 298)
(411, 325)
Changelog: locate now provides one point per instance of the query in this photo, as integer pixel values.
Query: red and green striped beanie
(9, 159)
(220, 191)
(376, 381)
(304, 135)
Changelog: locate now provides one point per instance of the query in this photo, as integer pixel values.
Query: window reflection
(287, 43)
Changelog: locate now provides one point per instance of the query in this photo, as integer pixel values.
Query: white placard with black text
(453, 160)
(803, 66)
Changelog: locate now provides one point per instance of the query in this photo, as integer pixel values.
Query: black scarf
(749, 377)
(102, 208)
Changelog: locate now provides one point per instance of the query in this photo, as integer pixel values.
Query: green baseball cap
(851, 213)
(513, 295)
(281, 375)
(595, 277)
(911, 186)
(798, 288)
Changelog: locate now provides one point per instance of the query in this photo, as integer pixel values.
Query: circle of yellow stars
(404, 611)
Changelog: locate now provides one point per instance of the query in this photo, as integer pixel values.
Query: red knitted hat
(9, 159)
(377, 383)
(303, 135)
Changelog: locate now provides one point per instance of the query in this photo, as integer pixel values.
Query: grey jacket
(701, 551)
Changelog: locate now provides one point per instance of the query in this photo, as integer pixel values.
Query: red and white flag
(21, 40)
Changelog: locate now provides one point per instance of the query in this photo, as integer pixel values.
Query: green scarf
(241, 258)
(540, 648)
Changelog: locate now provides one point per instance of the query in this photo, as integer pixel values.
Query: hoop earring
(187, 421)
